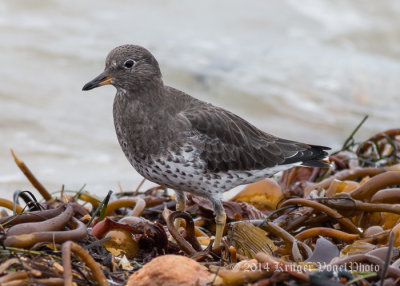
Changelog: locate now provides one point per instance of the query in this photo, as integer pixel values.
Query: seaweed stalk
(70, 246)
(350, 140)
(29, 175)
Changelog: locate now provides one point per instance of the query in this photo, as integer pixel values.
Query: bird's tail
(314, 157)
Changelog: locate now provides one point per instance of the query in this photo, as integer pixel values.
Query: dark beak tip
(87, 86)
(100, 80)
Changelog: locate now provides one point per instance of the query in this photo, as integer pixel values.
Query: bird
(188, 145)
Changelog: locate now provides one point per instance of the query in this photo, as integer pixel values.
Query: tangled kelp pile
(312, 227)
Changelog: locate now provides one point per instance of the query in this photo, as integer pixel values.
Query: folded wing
(231, 143)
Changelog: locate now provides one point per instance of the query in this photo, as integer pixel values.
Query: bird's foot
(180, 207)
(178, 223)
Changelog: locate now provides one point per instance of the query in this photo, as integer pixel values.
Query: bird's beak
(101, 79)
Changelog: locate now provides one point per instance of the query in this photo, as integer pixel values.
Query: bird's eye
(129, 63)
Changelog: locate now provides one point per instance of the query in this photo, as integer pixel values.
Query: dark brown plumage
(186, 144)
(234, 144)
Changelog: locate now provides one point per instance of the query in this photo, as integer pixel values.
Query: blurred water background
(303, 70)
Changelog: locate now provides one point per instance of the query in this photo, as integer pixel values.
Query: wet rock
(171, 270)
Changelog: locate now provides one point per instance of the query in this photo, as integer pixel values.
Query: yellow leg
(180, 207)
(220, 220)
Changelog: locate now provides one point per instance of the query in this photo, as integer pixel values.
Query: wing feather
(231, 143)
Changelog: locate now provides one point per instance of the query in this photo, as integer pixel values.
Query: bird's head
(128, 67)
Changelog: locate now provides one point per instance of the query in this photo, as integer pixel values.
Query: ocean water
(303, 70)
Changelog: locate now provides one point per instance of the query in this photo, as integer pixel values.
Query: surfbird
(183, 143)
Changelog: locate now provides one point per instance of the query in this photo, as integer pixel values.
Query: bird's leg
(220, 221)
(180, 201)
(180, 206)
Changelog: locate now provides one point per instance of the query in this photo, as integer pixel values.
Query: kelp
(336, 226)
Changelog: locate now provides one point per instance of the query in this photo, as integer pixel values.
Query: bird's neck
(136, 117)
(141, 87)
(148, 96)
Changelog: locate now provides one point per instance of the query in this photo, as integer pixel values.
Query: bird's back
(231, 143)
